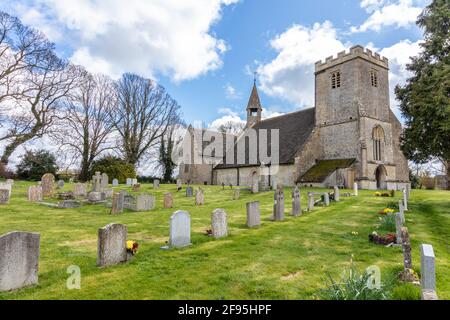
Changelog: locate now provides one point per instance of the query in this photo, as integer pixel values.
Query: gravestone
(115, 183)
(133, 182)
(427, 267)
(47, 182)
(296, 206)
(129, 182)
(326, 199)
(398, 227)
(337, 195)
(355, 188)
(180, 230)
(60, 184)
(401, 209)
(236, 194)
(278, 206)
(4, 196)
(118, 200)
(199, 197)
(145, 202)
(19, 260)
(95, 197)
(112, 245)
(189, 192)
(35, 193)
(310, 201)
(253, 214)
(255, 185)
(405, 200)
(179, 184)
(97, 182)
(168, 200)
(104, 181)
(6, 186)
(219, 226)
(406, 248)
(10, 181)
(136, 187)
(80, 189)
(156, 184)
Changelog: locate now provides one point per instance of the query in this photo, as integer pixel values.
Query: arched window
(378, 139)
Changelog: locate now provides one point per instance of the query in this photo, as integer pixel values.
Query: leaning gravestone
(219, 227)
(118, 200)
(112, 241)
(189, 192)
(253, 214)
(278, 206)
(180, 230)
(168, 200)
(35, 193)
(60, 184)
(296, 207)
(104, 181)
(115, 182)
(199, 197)
(80, 190)
(47, 182)
(156, 184)
(237, 194)
(19, 260)
(4, 196)
(336, 193)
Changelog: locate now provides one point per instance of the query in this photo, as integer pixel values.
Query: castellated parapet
(355, 52)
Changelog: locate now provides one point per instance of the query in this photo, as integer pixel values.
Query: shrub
(354, 286)
(406, 291)
(115, 168)
(387, 223)
(34, 165)
(428, 182)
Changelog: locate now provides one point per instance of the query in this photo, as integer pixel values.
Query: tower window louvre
(374, 78)
(335, 80)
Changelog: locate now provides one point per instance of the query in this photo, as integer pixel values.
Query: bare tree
(143, 114)
(34, 114)
(85, 129)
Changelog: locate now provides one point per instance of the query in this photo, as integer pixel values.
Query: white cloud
(401, 13)
(231, 93)
(291, 74)
(147, 37)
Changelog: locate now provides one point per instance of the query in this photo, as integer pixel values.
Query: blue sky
(204, 51)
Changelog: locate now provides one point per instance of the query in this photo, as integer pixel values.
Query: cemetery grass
(278, 260)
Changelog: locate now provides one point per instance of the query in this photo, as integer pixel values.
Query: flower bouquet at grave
(377, 194)
(383, 240)
(132, 247)
(386, 211)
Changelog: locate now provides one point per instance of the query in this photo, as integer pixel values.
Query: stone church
(351, 135)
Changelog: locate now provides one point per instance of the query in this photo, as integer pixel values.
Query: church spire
(254, 107)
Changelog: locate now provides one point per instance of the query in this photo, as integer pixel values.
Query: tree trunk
(10, 148)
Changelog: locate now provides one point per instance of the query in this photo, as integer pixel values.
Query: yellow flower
(130, 244)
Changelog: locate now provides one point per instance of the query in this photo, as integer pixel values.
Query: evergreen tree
(35, 164)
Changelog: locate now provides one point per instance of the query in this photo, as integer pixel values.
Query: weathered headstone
(134, 181)
(96, 197)
(80, 189)
(19, 260)
(401, 210)
(97, 182)
(129, 182)
(336, 194)
(6, 186)
(180, 230)
(326, 199)
(427, 267)
(115, 183)
(398, 227)
(112, 248)
(117, 203)
(35, 193)
(355, 188)
(219, 225)
(4, 196)
(236, 194)
(310, 201)
(179, 183)
(168, 200)
(47, 182)
(405, 200)
(253, 214)
(199, 197)
(60, 184)
(136, 187)
(145, 202)
(189, 192)
(296, 206)
(406, 248)
(278, 205)
(104, 181)
(156, 184)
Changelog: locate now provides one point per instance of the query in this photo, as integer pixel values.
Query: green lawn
(278, 260)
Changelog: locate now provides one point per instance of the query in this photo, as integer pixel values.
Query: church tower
(254, 107)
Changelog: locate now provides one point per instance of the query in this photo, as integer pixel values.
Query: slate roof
(253, 101)
(294, 128)
(323, 168)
